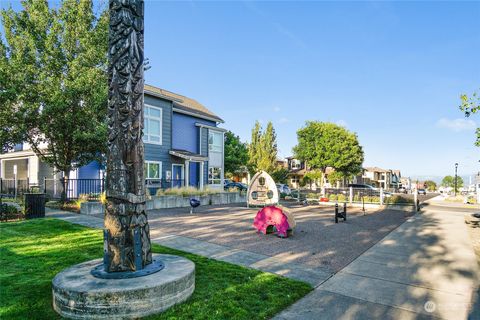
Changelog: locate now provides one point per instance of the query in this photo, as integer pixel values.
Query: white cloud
(283, 120)
(342, 123)
(456, 125)
(276, 109)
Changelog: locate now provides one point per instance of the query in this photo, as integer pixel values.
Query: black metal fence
(90, 189)
(358, 195)
(12, 187)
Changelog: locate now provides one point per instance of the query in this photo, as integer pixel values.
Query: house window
(214, 175)
(215, 141)
(153, 171)
(152, 125)
(296, 164)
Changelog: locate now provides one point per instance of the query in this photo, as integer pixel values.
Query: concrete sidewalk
(424, 269)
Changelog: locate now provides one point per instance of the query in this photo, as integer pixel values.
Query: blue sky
(390, 71)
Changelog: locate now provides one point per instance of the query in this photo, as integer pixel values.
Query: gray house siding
(157, 152)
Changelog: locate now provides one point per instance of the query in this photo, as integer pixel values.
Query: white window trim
(160, 168)
(208, 178)
(222, 139)
(161, 125)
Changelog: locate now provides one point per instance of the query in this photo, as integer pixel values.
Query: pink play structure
(272, 217)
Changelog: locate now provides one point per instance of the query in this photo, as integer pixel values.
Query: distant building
(382, 178)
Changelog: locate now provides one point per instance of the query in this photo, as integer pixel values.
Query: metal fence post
(415, 199)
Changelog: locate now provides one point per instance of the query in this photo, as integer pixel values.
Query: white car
(283, 188)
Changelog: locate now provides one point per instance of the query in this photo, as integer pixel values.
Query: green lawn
(33, 252)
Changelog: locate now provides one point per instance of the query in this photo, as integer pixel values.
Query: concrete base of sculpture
(79, 295)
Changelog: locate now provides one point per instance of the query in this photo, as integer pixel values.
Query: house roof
(375, 169)
(187, 155)
(183, 103)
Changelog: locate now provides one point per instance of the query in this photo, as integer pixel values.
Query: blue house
(183, 144)
(183, 147)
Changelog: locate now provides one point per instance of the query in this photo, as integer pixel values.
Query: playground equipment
(193, 204)
(262, 190)
(272, 219)
(341, 215)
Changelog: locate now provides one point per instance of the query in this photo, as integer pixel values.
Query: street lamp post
(455, 188)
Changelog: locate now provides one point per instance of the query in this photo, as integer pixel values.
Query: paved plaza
(385, 264)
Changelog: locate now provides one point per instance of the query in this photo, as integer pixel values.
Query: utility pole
(455, 189)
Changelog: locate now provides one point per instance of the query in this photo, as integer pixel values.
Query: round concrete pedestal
(79, 295)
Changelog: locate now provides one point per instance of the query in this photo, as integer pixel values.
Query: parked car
(361, 186)
(283, 188)
(235, 185)
(402, 190)
(422, 191)
(226, 181)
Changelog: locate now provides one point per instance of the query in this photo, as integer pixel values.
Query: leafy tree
(254, 147)
(430, 185)
(470, 106)
(449, 182)
(236, 154)
(280, 175)
(323, 144)
(54, 70)
(335, 176)
(262, 150)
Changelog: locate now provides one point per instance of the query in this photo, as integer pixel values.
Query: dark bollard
(34, 205)
(336, 212)
(341, 214)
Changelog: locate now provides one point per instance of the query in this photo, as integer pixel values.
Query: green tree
(449, 182)
(280, 175)
(471, 105)
(323, 144)
(431, 185)
(236, 154)
(262, 150)
(54, 64)
(254, 147)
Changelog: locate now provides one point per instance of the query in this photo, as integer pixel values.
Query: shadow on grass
(33, 252)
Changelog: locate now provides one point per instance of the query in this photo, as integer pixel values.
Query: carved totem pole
(126, 234)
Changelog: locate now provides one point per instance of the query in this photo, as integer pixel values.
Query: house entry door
(177, 176)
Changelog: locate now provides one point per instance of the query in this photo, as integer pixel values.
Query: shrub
(341, 198)
(10, 211)
(332, 197)
(397, 200)
(53, 204)
(81, 199)
(103, 197)
(312, 195)
(187, 191)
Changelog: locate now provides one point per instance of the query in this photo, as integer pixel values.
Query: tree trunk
(64, 182)
(127, 234)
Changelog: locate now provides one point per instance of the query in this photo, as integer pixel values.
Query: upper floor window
(152, 125)
(215, 141)
(296, 164)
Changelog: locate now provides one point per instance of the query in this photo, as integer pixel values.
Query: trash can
(34, 205)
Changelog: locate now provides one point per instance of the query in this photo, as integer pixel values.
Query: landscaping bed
(33, 252)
